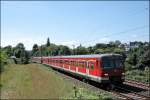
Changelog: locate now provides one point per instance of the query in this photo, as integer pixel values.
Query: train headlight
(106, 74)
(123, 73)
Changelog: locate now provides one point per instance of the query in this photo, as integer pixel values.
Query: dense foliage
(3, 59)
(17, 53)
(138, 58)
(50, 49)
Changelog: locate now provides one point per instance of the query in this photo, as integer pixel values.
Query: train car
(102, 68)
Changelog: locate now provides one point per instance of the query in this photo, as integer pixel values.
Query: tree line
(50, 49)
(137, 57)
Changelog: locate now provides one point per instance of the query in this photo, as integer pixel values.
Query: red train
(102, 68)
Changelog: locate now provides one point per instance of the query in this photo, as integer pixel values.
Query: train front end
(113, 69)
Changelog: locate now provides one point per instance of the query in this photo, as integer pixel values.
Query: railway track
(137, 84)
(121, 92)
(131, 94)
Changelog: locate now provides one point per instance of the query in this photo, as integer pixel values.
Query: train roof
(84, 56)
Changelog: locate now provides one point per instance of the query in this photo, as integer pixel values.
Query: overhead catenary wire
(117, 33)
(125, 31)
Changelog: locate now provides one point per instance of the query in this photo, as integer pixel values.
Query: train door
(87, 68)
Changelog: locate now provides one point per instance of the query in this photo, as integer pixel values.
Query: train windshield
(112, 62)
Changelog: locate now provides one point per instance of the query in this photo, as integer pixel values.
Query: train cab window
(112, 62)
(119, 63)
(108, 64)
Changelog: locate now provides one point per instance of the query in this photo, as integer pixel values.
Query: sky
(73, 22)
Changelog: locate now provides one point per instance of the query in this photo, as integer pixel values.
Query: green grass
(83, 93)
(35, 81)
(31, 82)
(139, 75)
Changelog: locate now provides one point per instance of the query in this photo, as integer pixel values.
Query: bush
(138, 75)
(3, 60)
(128, 66)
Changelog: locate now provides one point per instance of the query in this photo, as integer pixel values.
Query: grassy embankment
(138, 74)
(35, 81)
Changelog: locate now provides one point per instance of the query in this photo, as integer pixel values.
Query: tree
(81, 50)
(90, 50)
(21, 53)
(118, 50)
(8, 50)
(35, 49)
(3, 59)
(99, 51)
(43, 50)
(64, 50)
(117, 43)
(48, 42)
(51, 50)
(100, 46)
(19, 50)
(26, 58)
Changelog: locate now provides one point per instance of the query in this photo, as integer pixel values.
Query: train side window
(71, 63)
(66, 62)
(87, 66)
(76, 63)
(81, 64)
(92, 66)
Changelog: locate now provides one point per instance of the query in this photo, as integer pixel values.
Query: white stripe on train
(92, 77)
